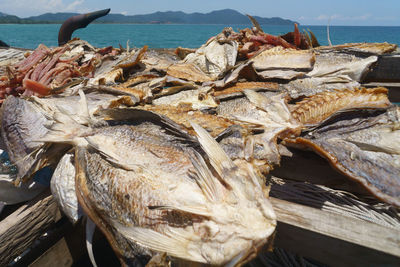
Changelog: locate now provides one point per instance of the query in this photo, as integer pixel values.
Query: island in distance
(224, 16)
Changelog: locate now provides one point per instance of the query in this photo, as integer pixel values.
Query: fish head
(241, 218)
(237, 233)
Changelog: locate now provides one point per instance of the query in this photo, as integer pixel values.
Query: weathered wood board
(356, 231)
(387, 70)
(19, 230)
(319, 235)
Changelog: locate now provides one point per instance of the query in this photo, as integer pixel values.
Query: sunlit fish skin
(266, 112)
(150, 188)
(320, 107)
(22, 124)
(25, 121)
(364, 148)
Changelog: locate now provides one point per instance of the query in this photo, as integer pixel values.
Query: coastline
(184, 35)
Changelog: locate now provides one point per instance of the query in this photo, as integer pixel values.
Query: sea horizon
(184, 35)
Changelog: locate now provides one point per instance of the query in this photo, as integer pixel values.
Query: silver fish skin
(364, 149)
(62, 187)
(25, 121)
(22, 124)
(9, 192)
(267, 112)
(151, 191)
(217, 56)
(333, 70)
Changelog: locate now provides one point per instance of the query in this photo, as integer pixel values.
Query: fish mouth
(247, 255)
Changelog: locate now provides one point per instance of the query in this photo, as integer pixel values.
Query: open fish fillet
(364, 148)
(318, 108)
(151, 189)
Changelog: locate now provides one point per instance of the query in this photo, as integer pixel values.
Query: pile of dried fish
(168, 155)
(50, 69)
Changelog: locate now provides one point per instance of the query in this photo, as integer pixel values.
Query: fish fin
(255, 23)
(64, 130)
(187, 209)
(314, 40)
(218, 158)
(275, 106)
(109, 154)
(307, 35)
(153, 240)
(136, 115)
(204, 178)
(90, 227)
(257, 99)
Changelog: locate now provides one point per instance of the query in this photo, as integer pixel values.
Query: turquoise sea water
(171, 36)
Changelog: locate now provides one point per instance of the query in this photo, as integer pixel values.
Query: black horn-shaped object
(77, 22)
(3, 44)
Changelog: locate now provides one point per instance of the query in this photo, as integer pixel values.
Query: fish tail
(68, 129)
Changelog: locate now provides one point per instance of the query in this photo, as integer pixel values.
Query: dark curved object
(3, 44)
(78, 22)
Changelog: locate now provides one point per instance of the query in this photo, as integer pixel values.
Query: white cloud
(322, 17)
(28, 7)
(339, 17)
(74, 5)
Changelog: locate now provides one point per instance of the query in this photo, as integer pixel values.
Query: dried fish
(196, 99)
(333, 64)
(9, 192)
(169, 198)
(237, 89)
(310, 86)
(280, 58)
(63, 187)
(280, 63)
(217, 56)
(364, 149)
(24, 122)
(332, 71)
(318, 108)
(269, 114)
(188, 71)
(365, 48)
(184, 116)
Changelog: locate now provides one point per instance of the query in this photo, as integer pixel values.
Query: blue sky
(309, 12)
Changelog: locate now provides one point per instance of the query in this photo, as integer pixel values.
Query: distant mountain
(5, 18)
(225, 16)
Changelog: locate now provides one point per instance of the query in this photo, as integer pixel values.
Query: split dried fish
(366, 48)
(364, 149)
(171, 198)
(280, 63)
(63, 187)
(196, 99)
(268, 113)
(320, 107)
(24, 122)
(217, 56)
(184, 116)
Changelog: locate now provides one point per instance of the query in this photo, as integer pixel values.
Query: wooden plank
(20, 229)
(59, 255)
(297, 168)
(328, 250)
(69, 248)
(387, 69)
(363, 233)
(394, 89)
